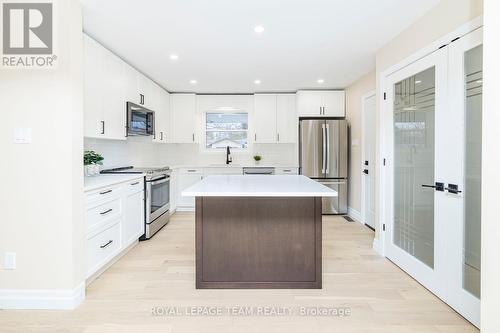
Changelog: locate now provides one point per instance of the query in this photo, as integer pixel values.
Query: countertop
(98, 181)
(258, 186)
(222, 165)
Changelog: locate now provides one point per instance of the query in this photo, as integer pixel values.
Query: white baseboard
(377, 247)
(355, 215)
(42, 299)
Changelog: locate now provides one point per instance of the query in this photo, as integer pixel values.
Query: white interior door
(465, 91)
(369, 167)
(417, 95)
(434, 172)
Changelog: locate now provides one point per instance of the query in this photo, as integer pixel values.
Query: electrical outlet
(9, 261)
(22, 135)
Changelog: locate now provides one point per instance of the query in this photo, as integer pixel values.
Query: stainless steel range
(157, 194)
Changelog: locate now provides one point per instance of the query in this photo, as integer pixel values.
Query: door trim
(370, 94)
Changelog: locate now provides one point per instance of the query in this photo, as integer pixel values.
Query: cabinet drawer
(106, 193)
(102, 247)
(191, 171)
(98, 215)
(287, 171)
(134, 186)
(223, 171)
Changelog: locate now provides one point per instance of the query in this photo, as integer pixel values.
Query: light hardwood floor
(160, 273)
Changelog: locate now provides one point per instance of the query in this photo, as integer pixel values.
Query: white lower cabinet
(186, 178)
(114, 218)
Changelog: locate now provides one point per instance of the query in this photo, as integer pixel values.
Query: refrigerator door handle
(327, 148)
(323, 157)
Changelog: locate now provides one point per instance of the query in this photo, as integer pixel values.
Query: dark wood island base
(258, 242)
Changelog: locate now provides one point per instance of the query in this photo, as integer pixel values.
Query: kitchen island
(258, 231)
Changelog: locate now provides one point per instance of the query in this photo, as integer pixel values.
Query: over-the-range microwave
(140, 121)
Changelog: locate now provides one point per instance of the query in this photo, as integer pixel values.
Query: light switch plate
(22, 135)
(9, 261)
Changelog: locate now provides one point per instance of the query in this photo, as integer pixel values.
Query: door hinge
(385, 96)
(383, 227)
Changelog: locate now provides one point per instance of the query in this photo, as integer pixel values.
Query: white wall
(354, 93)
(447, 16)
(41, 197)
(490, 268)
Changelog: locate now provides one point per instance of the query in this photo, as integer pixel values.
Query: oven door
(158, 197)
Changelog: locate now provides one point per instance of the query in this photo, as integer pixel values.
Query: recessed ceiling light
(193, 82)
(258, 29)
(418, 82)
(256, 81)
(174, 57)
(321, 81)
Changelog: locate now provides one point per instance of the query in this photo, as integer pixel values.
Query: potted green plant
(257, 159)
(91, 162)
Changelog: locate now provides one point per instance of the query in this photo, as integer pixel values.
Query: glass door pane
(473, 62)
(414, 107)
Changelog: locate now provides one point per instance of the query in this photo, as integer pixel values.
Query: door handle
(438, 186)
(453, 188)
(365, 171)
(327, 130)
(102, 127)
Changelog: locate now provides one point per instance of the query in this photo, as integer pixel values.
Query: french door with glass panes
(433, 176)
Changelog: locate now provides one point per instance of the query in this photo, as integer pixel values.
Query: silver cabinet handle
(102, 127)
(134, 183)
(106, 192)
(255, 136)
(161, 136)
(193, 137)
(287, 170)
(109, 242)
(191, 171)
(106, 211)
(278, 137)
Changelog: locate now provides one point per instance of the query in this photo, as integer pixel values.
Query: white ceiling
(304, 40)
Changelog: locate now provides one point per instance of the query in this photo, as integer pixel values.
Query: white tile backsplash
(140, 151)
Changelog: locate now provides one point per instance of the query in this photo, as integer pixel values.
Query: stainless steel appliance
(258, 171)
(157, 196)
(323, 156)
(140, 121)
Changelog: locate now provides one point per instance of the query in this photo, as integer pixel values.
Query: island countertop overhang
(258, 186)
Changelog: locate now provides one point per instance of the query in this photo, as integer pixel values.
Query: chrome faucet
(229, 159)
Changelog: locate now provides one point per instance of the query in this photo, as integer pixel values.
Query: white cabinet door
(114, 106)
(309, 103)
(185, 181)
(333, 103)
(265, 118)
(162, 117)
(182, 118)
(146, 90)
(134, 217)
(104, 97)
(286, 118)
(93, 91)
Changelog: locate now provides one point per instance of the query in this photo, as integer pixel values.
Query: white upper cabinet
(321, 103)
(104, 105)
(162, 115)
(275, 118)
(182, 118)
(265, 118)
(286, 118)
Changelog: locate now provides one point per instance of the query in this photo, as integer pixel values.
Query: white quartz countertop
(104, 180)
(258, 186)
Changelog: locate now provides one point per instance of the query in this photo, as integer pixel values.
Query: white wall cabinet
(104, 76)
(287, 125)
(265, 118)
(182, 118)
(321, 103)
(109, 83)
(275, 118)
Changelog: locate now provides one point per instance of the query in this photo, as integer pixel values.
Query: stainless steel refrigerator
(323, 156)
